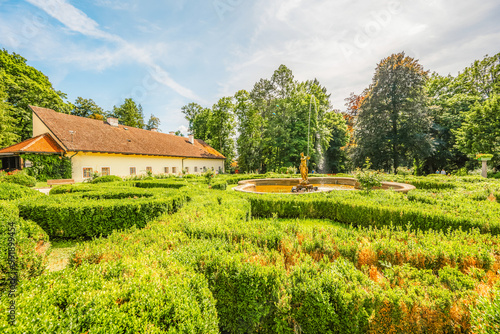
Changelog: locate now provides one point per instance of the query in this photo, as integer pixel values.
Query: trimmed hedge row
(114, 297)
(31, 244)
(159, 184)
(11, 191)
(87, 213)
(220, 185)
(106, 179)
(361, 211)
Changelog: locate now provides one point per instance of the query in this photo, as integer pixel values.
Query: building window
(87, 172)
(204, 168)
(132, 171)
(105, 171)
(149, 169)
(166, 170)
(187, 169)
(196, 169)
(174, 170)
(220, 169)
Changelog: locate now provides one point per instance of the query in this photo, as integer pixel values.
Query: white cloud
(341, 42)
(76, 20)
(73, 18)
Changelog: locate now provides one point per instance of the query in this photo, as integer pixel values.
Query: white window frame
(91, 172)
(107, 168)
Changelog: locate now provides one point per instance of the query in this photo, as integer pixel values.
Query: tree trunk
(395, 142)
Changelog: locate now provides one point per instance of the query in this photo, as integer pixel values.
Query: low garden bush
(20, 178)
(88, 213)
(106, 178)
(11, 191)
(114, 297)
(31, 246)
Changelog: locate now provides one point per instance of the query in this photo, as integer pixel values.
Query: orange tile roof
(80, 134)
(39, 144)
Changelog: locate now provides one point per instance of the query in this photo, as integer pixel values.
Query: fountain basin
(324, 184)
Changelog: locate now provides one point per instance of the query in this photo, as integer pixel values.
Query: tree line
(268, 126)
(406, 116)
(409, 117)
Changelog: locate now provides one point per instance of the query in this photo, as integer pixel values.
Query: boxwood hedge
(86, 212)
(30, 241)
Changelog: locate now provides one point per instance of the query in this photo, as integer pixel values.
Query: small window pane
(166, 170)
(174, 170)
(149, 169)
(132, 170)
(105, 171)
(87, 172)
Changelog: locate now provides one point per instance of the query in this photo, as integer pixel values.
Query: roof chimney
(191, 139)
(112, 121)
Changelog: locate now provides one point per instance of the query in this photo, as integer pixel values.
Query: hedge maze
(175, 256)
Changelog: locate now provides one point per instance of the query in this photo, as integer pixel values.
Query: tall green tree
(199, 120)
(7, 122)
(87, 108)
(480, 131)
(24, 86)
(222, 129)
(153, 123)
(452, 99)
(393, 123)
(129, 113)
(250, 133)
(335, 155)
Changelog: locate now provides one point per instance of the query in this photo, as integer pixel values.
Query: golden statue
(303, 168)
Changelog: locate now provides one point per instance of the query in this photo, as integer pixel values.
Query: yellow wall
(120, 164)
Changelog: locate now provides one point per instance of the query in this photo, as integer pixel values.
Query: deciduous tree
(87, 108)
(24, 86)
(129, 113)
(393, 123)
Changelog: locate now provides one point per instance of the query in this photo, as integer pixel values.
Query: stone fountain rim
(386, 185)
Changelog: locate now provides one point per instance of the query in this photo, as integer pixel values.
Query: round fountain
(315, 184)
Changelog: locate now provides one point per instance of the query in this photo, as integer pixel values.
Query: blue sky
(166, 54)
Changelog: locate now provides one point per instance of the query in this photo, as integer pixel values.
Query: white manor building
(111, 149)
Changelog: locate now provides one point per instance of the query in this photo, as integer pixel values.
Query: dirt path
(59, 255)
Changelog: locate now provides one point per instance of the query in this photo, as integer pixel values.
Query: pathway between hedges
(60, 254)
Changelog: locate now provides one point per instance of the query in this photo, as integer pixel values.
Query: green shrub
(159, 184)
(31, 242)
(337, 297)
(20, 178)
(220, 185)
(94, 213)
(368, 179)
(247, 292)
(10, 191)
(485, 315)
(115, 297)
(106, 178)
(354, 209)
